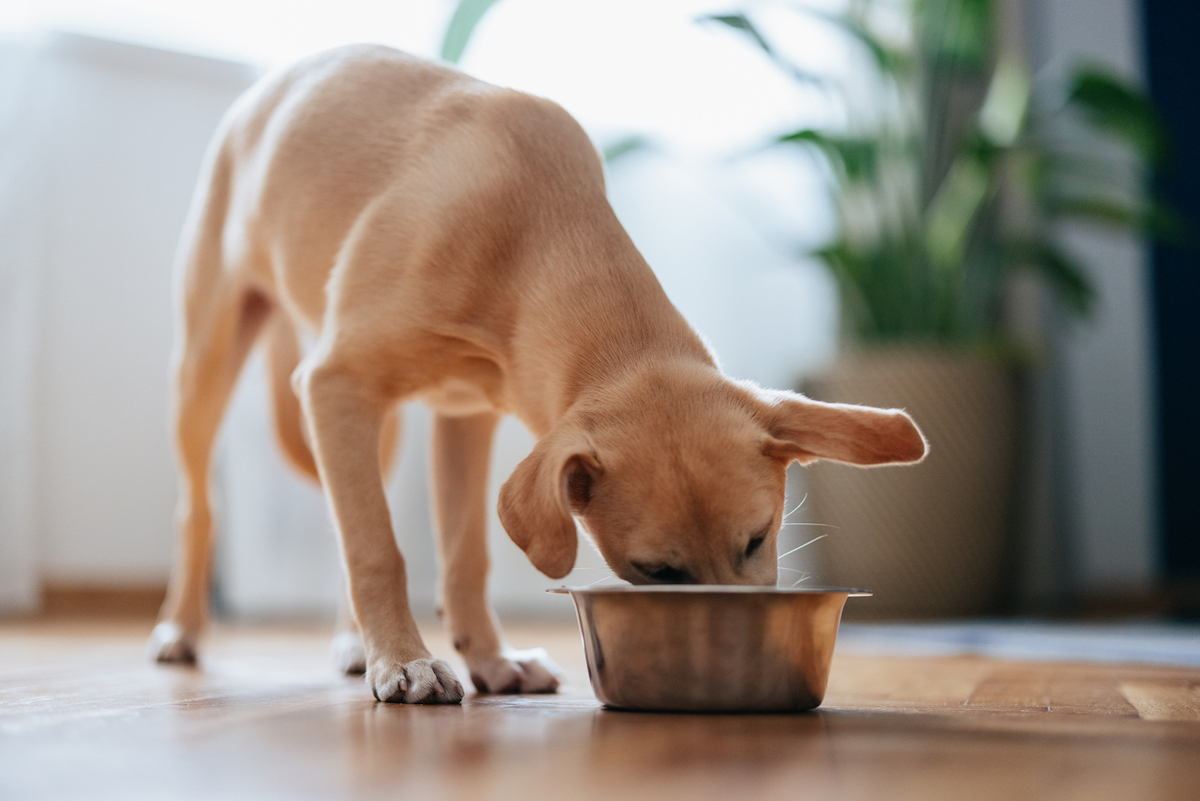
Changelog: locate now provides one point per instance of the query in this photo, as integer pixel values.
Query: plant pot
(930, 539)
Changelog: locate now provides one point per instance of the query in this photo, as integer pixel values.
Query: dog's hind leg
(349, 653)
(220, 317)
(218, 335)
(282, 356)
(461, 454)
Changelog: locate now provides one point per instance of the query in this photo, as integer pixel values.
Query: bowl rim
(709, 589)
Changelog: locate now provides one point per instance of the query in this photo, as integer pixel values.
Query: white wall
(111, 139)
(1107, 412)
(19, 296)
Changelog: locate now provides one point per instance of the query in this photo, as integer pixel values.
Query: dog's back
(314, 146)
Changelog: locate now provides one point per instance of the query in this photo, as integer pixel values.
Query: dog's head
(679, 476)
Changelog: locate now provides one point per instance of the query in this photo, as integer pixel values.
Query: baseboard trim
(101, 600)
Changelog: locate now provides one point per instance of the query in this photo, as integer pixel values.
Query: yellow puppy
(448, 240)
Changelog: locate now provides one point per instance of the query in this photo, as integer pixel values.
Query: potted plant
(950, 174)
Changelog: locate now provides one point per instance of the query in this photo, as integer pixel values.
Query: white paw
(349, 654)
(170, 643)
(531, 671)
(421, 681)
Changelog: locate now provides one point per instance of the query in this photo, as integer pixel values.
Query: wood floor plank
(922, 683)
(1013, 689)
(1089, 694)
(1163, 701)
(84, 715)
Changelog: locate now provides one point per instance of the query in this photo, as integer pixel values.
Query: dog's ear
(537, 500)
(805, 430)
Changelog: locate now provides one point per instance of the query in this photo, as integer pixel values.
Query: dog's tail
(283, 354)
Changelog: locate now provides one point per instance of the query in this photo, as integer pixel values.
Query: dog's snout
(738, 571)
(663, 574)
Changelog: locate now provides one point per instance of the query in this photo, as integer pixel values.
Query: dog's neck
(609, 321)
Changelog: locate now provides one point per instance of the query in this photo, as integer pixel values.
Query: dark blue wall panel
(1172, 32)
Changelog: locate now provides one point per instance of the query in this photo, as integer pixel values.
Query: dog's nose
(663, 574)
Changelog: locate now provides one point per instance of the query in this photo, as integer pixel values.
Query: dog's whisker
(792, 570)
(822, 525)
(802, 500)
(806, 578)
(597, 581)
(586, 537)
(805, 545)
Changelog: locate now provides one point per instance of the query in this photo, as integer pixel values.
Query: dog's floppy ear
(805, 430)
(537, 500)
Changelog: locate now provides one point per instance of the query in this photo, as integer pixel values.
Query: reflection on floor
(83, 715)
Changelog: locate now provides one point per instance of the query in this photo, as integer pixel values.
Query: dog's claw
(421, 681)
(531, 671)
(349, 653)
(170, 644)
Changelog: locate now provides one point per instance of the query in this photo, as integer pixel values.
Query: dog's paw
(349, 653)
(421, 681)
(171, 644)
(531, 671)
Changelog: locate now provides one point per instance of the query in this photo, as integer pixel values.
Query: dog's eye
(754, 545)
(665, 574)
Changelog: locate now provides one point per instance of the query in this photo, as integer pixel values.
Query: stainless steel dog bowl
(698, 648)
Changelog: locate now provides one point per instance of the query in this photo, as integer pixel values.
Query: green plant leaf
(1150, 219)
(623, 147)
(856, 157)
(1168, 225)
(1100, 210)
(1055, 167)
(462, 24)
(886, 58)
(1003, 113)
(952, 212)
(742, 24)
(929, 140)
(1115, 106)
(1064, 275)
(957, 32)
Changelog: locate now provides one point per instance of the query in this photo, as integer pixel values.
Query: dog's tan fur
(448, 240)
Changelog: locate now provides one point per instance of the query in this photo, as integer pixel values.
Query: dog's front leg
(461, 453)
(346, 417)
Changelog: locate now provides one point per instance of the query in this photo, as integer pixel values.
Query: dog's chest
(459, 397)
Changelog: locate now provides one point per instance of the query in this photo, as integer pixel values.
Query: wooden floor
(83, 715)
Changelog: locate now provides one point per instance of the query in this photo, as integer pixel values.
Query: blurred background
(980, 211)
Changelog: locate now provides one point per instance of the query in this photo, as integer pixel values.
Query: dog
(442, 239)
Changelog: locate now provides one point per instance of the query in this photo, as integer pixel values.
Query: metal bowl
(696, 648)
